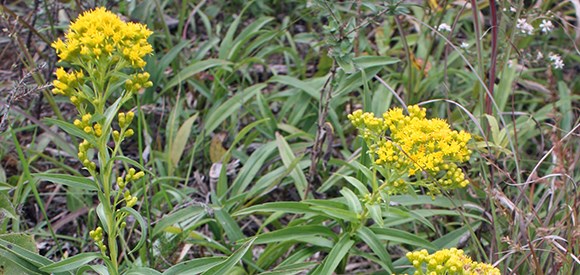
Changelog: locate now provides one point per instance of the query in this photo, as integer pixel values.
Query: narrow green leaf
(295, 233)
(229, 225)
(363, 62)
(193, 69)
(71, 263)
(193, 267)
(13, 264)
(225, 110)
(181, 138)
(141, 270)
(142, 223)
(251, 168)
(337, 254)
(362, 189)
(191, 212)
(369, 237)
(99, 269)
(71, 129)
(352, 200)
(286, 207)
(22, 252)
(399, 236)
(231, 261)
(287, 158)
(68, 180)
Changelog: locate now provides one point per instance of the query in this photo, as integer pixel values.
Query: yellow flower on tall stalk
(105, 60)
(100, 34)
(415, 146)
(448, 261)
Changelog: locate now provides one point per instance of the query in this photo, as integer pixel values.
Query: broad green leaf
(298, 268)
(71, 263)
(193, 69)
(362, 189)
(11, 264)
(376, 213)
(369, 237)
(68, 180)
(242, 39)
(18, 254)
(218, 115)
(287, 158)
(286, 207)
(452, 238)
(195, 266)
(142, 223)
(229, 225)
(6, 207)
(71, 129)
(99, 269)
(188, 213)
(251, 168)
(352, 200)
(294, 233)
(337, 254)
(180, 140)
(363, 62)
(399, 236)
(23, 249)
(141, 270)
(231, 261)
(311, 88)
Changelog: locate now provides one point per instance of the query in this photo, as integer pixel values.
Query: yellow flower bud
(129, 133)
(78, 123)
(116, 135)
(138, 175)
(86, 118)
(129, 116)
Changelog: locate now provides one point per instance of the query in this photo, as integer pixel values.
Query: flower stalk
(103, 57)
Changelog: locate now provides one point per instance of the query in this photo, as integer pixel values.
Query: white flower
(539, 56)
(512, 9)
(444, 27)
(464, 45)
(557, 61)
(524, 26)
(546, 26)
(558, 64)
(510, 63)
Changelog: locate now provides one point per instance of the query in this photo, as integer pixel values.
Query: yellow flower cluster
(132, 175)
(100, 34)
(448, 261)
(413, 143)
(67, 83)
(85, 124)
(97, 236)
(138, 81)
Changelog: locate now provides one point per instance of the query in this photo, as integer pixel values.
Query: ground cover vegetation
(289, 137)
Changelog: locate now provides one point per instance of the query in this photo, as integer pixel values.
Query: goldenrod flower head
(448, 261)
(67, 83)
(413, 143)
(100, 34)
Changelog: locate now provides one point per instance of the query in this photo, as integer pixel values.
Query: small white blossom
(510, 63)
(557, 61)
(524, 26)
(444, 27)
(546, 26)
(512, 9)
(539, 56)
(464, 45)
(558, 64)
